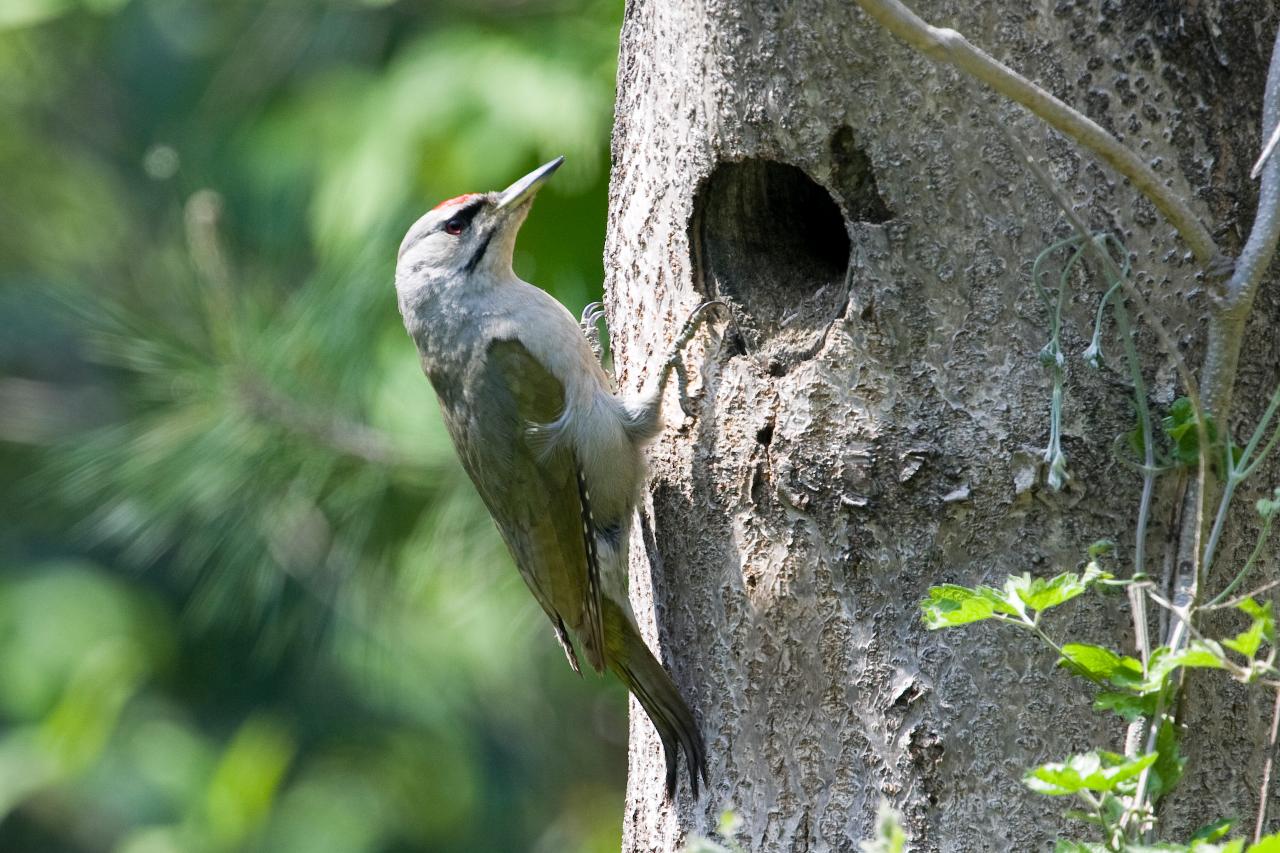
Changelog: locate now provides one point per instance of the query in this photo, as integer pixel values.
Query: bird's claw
(674, 363)
(705, 311)
(688, 402)
(590, 323)
(592, 313)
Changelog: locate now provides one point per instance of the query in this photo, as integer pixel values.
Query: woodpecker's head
(468, 236)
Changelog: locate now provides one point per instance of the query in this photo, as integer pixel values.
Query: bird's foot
(590, 323)
(675, 362)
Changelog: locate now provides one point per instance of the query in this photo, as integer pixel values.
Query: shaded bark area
(883, 429)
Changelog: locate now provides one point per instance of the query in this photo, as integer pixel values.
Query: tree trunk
(884, 430)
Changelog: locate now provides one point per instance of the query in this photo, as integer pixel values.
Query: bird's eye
(455, 226)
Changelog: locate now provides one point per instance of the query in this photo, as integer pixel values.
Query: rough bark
(884, 429)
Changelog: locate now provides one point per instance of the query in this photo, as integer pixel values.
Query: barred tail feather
(635, 665)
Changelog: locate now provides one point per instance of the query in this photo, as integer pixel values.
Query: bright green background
(248, 601)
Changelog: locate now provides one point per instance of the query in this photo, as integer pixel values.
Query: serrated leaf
(1200, 654)
(1042, 593)
(1247, 642)
(1091, 771)
(950, 605)
(1255, 610)
(1092, 662)
(1261, 629)
(1100, 664)
(1127, 705)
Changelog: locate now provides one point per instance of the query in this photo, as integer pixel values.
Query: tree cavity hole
(772, 241)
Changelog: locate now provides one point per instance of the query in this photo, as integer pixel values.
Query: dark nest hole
(773, 242)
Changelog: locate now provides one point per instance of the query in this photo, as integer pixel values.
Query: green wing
(536, 496)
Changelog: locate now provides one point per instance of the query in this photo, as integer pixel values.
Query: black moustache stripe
(475, 259)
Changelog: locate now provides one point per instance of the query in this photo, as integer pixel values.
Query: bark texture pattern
(883, 431)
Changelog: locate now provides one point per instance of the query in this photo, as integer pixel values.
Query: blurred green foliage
(248, 600)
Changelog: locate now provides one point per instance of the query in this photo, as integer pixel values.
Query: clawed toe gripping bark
(590, 322)
(674, 362)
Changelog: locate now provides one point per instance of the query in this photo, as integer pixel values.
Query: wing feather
(536, 495)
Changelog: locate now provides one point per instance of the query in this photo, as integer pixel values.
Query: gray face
(465, 242)
(468, 237)
(451, 237)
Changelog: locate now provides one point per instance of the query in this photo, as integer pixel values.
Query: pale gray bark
(883, 433)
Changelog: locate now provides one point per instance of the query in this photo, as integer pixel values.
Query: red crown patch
(458, 199)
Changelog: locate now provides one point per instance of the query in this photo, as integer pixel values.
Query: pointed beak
(525, 188)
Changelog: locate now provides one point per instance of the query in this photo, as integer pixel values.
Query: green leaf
(1092, 771)
(1267, 844)
(1063, 846)
(1262, 628)
(1101, 664)
(1167, 770)
(1236, 846)
(950, 605)
(1213, 831)
(1127, 705)
(1255, 610)
(1200, 654)
(1042, 594)
(1180, 428)
(1092, 662)
(1247, 642)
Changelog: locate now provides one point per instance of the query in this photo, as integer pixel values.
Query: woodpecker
(555, 454)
